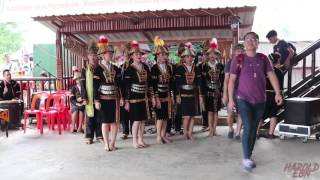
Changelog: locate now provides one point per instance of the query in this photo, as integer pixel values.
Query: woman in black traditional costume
(109, 94)
(212, 74)
(138, 90)
(188, 82)
(162, 79)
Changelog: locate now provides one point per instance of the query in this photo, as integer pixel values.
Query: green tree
(10, 38)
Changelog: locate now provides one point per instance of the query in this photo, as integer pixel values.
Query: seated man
(9, 89)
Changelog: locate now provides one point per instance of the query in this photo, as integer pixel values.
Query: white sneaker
(247, 165)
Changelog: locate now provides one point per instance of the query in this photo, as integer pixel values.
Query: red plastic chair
(64, 114)
(42, 96)
(67, 94)
(53, 112)
(64, 106)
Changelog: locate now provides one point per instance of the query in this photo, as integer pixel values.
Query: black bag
(294, 48)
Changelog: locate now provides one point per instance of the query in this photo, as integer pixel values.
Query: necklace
(252, 65)
(141, 72)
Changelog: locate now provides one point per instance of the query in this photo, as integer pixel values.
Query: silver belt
(137, 88)
(106, 92)
(138, 85)
(211, 85)
(187, 87)
(107, 87)
(163, 85)
(138, 91)
(163, 89)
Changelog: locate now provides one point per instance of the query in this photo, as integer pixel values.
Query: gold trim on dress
(136, 100)
(141, 73)
(109, 74)
(187, 95)
(105, 97)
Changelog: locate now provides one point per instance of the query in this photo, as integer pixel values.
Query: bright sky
(294, 20)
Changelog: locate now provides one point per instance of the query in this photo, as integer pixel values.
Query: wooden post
(59, 60)
(235, 34)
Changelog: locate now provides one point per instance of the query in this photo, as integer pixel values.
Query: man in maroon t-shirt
(251, 70)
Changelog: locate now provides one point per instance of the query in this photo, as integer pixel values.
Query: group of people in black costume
(113, 94)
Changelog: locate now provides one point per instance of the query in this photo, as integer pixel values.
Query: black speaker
(302, 111)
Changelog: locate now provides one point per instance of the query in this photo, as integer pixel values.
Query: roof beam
(89, 18)
(76, 38)
(158, 29)
(210, 14)
(154, 14)
(146, 24)
(121, 14)
(188, 13)
(146, 35)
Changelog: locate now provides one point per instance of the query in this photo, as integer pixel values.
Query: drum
(15, 108)
(4, 120)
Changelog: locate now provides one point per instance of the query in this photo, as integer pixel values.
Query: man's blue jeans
(250, 115)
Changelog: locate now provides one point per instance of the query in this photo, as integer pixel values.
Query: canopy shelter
(74, 32)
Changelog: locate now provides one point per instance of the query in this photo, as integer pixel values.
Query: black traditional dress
(212, 81)
(76, 99)
(124, 115)
(109, 93)
(188, 81)
(162, 80)
(138, 86)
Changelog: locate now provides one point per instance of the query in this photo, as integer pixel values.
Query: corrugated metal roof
(148, 14)
(171, 25)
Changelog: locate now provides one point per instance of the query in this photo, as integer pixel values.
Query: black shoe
(258, 136)
(124, 136)
(253, 165)
(237, 137)
(230, 134)
(271, 136)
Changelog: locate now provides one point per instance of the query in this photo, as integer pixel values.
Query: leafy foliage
(10, 38)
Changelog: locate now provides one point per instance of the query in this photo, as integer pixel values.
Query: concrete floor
(66, 157)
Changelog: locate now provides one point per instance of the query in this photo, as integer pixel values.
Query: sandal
(144, 145)
(107, 149)
(138, 146)
(89, 141)
(166, 140)
(80, 131)
(192, 138)
(114, 148)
